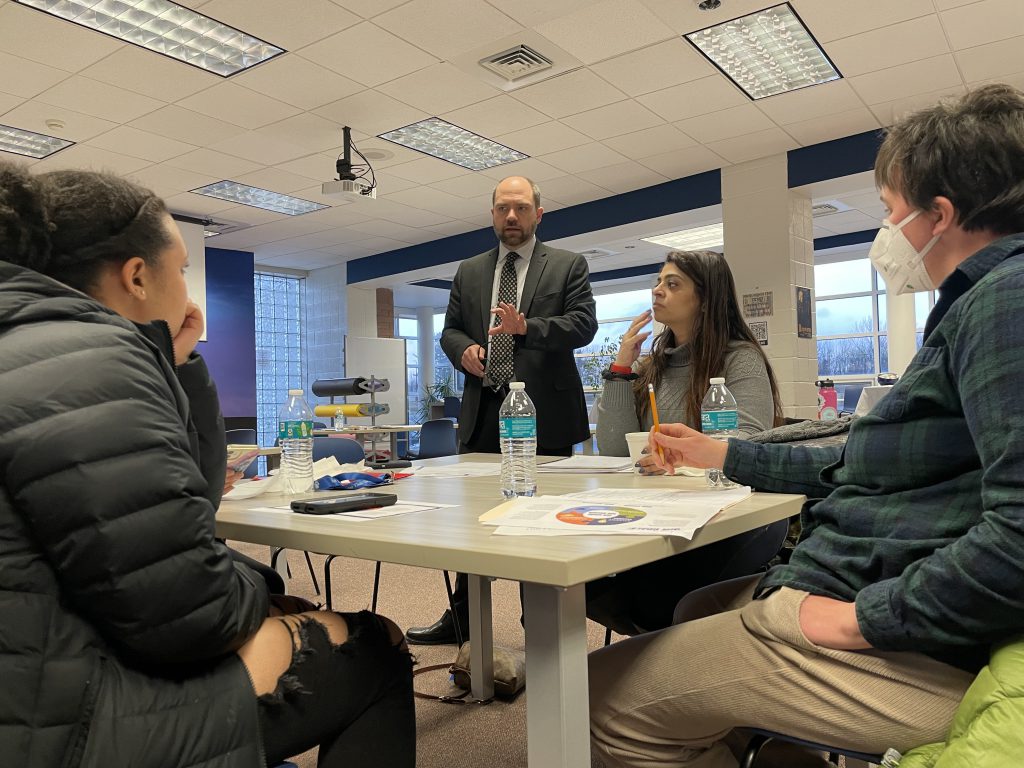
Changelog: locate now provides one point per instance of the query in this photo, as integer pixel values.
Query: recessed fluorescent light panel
(766, 53)
(441, 139)
(167, 28)
(243, 194)
(696, 239)
(30, 143)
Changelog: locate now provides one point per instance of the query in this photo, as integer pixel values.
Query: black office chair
(243, 437)
(762, 737)
(437, 438)
(344, 449)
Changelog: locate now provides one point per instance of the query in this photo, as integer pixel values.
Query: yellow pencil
(654, 413)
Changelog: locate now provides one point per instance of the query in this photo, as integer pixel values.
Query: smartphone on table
(349, 503)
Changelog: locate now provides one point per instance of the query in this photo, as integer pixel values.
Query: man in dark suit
(516, 313)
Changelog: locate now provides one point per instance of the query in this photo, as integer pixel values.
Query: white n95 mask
(896, 259)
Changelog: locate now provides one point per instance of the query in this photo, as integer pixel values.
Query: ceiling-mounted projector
(349, 182)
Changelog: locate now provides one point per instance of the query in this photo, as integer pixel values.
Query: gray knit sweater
(745, 376)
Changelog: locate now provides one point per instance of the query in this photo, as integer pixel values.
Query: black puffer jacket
(108, 563)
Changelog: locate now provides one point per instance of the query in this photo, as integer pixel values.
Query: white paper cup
(636, 441)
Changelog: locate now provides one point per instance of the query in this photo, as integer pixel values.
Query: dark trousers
(354, 700)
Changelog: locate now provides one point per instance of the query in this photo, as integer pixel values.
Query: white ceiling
(637, 106)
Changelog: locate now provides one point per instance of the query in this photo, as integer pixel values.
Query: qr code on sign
(760, 331)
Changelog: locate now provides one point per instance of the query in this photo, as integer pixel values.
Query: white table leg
(481, 651)
(557, 710)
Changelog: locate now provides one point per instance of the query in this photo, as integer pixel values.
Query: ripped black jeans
(354, 699)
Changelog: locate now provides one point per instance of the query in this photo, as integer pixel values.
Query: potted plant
(433, 394)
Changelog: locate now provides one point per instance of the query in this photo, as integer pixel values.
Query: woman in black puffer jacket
(128, 635)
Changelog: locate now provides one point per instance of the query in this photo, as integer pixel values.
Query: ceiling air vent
(827, 208)
(593, 254)
(517, 63)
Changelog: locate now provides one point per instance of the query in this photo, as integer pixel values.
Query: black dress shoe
(441, 632)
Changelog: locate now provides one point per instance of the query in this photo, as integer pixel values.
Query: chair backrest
(243, 437)
(344, 449)
(452, 407)
(437, 438)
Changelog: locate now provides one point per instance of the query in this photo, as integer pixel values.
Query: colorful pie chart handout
(599, 514)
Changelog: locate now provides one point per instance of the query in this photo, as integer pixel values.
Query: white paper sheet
(463, 469)
(362, 515)
(588, 464)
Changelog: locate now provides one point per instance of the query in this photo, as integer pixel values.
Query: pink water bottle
(828, 400)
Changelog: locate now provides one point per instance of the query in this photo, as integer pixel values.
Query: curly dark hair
(69, 225)
(719, 323)
(970, 150)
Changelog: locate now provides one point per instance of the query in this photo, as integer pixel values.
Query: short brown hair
(970, 150)
(533, 187)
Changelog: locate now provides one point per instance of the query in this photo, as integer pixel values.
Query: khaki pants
(669, 698)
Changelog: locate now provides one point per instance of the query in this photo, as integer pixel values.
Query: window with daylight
(280, 356)
(444, 371)
(850, 316)
(615, 311)
(407, 327)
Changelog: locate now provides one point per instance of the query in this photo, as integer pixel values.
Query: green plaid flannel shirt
(920, 518)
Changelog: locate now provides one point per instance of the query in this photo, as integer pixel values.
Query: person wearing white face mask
(911, 563)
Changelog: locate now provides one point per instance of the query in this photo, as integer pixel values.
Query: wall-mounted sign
(757, 304)
(760, 331)
(803, 313)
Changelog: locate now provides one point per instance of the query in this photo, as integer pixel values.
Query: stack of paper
(588, 464)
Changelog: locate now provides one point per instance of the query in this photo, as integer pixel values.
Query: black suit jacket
(560, 317)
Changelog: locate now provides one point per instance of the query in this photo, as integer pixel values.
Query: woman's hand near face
(682, 446)
(187, 338)
(632, 340)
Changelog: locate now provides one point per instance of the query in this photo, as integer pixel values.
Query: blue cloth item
(347, 481)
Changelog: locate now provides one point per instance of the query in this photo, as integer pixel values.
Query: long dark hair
(718, 323)
(69, 225)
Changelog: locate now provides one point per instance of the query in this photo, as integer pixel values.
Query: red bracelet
(615, 368)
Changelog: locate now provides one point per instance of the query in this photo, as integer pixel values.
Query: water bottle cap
(294, 392)
(516, 385)
(718, 380)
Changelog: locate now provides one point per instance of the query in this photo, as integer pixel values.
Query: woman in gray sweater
(704, 335)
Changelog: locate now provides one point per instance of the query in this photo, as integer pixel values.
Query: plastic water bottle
(517, 430)
(295, 435)
(719, 419)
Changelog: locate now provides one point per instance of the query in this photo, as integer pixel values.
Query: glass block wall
(280, 355)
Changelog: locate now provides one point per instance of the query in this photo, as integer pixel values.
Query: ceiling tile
(342, 214)
(992, 60)
(498, 115)
(426, 170)
(314, 166)
(919, 38)
(288, 24)
(889, 112)
(246, 214)
(449, 228)
(467, 185)
(186, 125)
(294, 80)
(371, 112)
(37, 36)
(907, 80)
(831, 21)
(569, 94)
(27, 78)
(613, 120)
(308, 261)
(529, 13)
(210, 163)
(148, 146)
(193, 204)
(167, 181)
(260, 149)
(680, 163)
(983, 22)
(542, 139)
(386, 182)
(32, 116)
(92, 158)
(658, 66)
(435, 200)
(652, 141)
(808, 103)
(686, 17)
(740, 149)
(944, 5)
(368, 8)
(91, 97)
(399, 213)
(623, 177)
(9, 102)
(447, 28)
(315, 133)
(274, 179)
(835, 126)
(368, 54)
(531, 168)
(572, 190)
(709, 94)
(383, 228)
(583, 158)
(439, 88)
(240, 106)
(605, 29)
(725, 124)
(9, 157)
(151, 74)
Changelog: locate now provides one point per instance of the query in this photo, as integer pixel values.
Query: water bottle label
(294, 430)
(517, 426)
(716, 421)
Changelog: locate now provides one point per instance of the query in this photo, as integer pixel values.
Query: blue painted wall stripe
(852, 238)
(833, 159)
